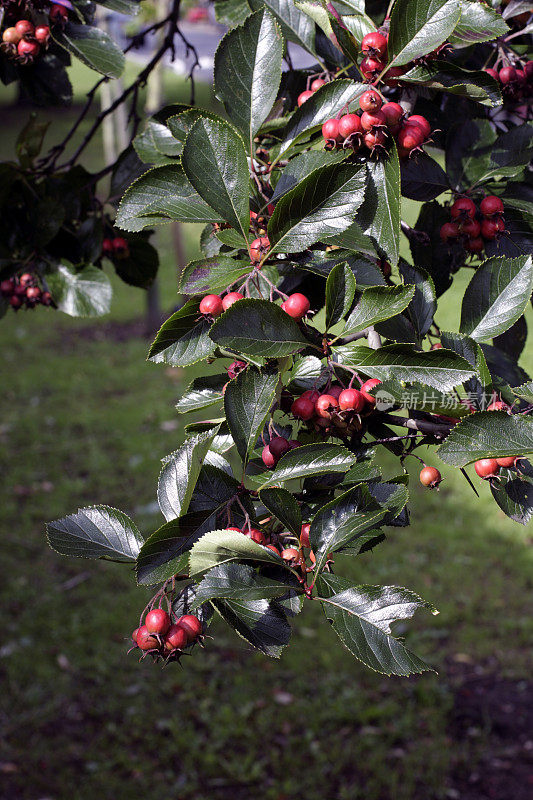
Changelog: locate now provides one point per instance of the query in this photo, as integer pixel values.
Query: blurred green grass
(85, 419)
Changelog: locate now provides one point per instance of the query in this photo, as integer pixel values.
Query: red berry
(374, 44)
(463, 207)
(191, 625)
(507, 75)
(255, 535)
(391, 78)
(107, 247)
(490, 228)
(393, 113)
(371, 383)
(176, 638)
(33, 293)
(493, 73)
(303, 408)
(410, 137)
(278, 446)
(521, 77)
(26, 279)
(11, 36)
(42, 34)
(491, 205)
(24, 27)
(470, 227)
(498, 405)
(134, 635)
(348, 125)
(313, 394)
(487, 468)
(211, 304)
(474, 245)
(507, 461)
(430, 477)
(259, 247)
(317, 84)
(231, 298)
(235, 368)
(303, 97)
(6, 287)
(370, 120)
(370, 101)
(145, 640)
(371, 68)
(46, 299)
(290, 554)
(330, 130)
(449, 231)
(335, 390)
(296, 305)
(268, 458)
(304, 535)
(375, 139)
(351, 400)
(27, 49)
(326, 405)
(416, 119)
(58, 13)
(120, 247)
(528, 69)
(157, 621)
(15, 301)
(273, 548)
(436, 346)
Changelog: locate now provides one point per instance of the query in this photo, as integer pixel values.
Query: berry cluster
(163, 638)
(516, 83)
(374, 49)
(296, 305)
(24, 291)
(115, 248)
(315, 84)
(374, 127)
(337, 408)
(24, 41)
(471, 227)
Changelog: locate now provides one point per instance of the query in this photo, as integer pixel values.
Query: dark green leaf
(95, 532)
(295, 26)
(424, 303)
(321, 205)
(86, 293)
(247, 403)
(183, 339)
(259, 622)
(487, 434)
(443, 76)
(165, 553)
(231, 12)
(303, 165)
(422, 178)
(93, 47)
(478, 23)
(514, 495)
(215, 163)
(497, 296)
(202, 393)
(257, 328)
(311, 459)
(162, 194)
(340, 292)
(440, 369)
(284, 506)
(241, 582)
(179, 474)
(328, 101)
(343, 520)
(362, 617)
(418, 27)
(223, 546)
(211, 274)
(379, 216)
(378, 303)
(248, 72)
